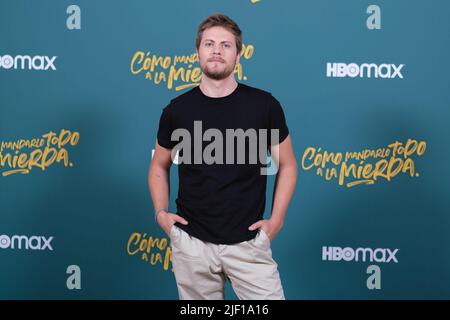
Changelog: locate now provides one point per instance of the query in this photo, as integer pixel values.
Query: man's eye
(208, 44)
(227, 45)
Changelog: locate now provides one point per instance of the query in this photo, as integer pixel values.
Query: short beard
(217, 75)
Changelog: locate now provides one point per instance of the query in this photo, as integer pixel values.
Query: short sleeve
(165, 129)
(277, 121)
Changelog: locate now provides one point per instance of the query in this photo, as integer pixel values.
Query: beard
(217, 74)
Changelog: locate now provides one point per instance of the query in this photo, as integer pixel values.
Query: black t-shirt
(220, 199)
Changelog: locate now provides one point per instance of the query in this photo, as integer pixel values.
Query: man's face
(217, 53)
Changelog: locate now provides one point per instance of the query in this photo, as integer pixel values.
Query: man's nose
(217, 49)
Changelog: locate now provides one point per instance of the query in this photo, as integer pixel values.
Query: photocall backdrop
(365, 90)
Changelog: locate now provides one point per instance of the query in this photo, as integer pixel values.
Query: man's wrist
(278, 222)
(157, 212)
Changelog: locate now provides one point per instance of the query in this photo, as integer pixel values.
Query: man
(218, 232)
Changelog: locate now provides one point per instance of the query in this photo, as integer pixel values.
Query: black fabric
(220, 201)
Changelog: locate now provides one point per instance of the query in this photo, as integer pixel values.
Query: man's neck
(218, 88)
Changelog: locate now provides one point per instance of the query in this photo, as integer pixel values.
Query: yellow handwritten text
(22, 155)
(146, 245)
(179, 72)
(392, 160)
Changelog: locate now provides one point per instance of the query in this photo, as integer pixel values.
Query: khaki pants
(201, 268)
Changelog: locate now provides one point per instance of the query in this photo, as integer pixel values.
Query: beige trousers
(201, 268)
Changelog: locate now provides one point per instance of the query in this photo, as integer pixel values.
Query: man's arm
(159, 185)
(285, 182)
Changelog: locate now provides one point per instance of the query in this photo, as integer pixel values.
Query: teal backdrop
(365, 89)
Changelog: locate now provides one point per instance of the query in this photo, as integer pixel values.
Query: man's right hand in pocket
(166, 220)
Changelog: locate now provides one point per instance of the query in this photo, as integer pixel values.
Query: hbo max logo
(359, 254)
(26, 243)
(365, 70)
(27, 62)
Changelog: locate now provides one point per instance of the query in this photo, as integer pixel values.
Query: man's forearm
(159, 185)
(284, 189)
